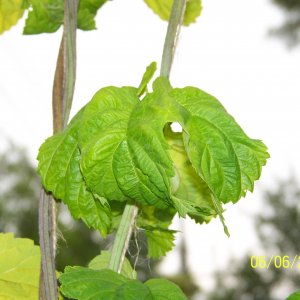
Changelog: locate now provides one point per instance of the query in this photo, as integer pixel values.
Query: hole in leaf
(176, 127)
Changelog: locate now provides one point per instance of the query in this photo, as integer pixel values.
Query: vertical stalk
(63, 90)
(123, 237)
(124, 231)
(171, 39)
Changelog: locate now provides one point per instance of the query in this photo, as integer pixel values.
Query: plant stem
(48, 284)
(171, 39)
(63, 90)
(124, 231)
(123, 237)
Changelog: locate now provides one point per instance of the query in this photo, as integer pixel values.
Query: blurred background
(246, 53)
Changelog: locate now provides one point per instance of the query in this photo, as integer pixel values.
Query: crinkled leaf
(59, 168)
(150, 70)
(192, 189)
(10, 13)
(46, 16)
(163, 9)
(87, 284)
(226, 159)
(19, 268)
(122, 157)
(294, 296)
(101, 262)
(163, 289)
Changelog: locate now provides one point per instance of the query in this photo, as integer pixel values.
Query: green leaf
(133, 290)
(87, 284)
(87, 12)
(163, 9)
(19, 268)
(59, 168)
(150, 70)
(83, 283)
(294, 296)
(46, 16)
(226, 159)
(101, 262)
(163, 289)
(194, 196)
(159, 241)
(156, 224)
(10, 13)
(122, 157)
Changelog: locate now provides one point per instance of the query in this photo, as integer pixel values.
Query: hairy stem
(63, 90)
(124, 231)
(171, 39)
(123, 237)
(48, 284)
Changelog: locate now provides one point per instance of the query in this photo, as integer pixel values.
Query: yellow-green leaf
(163, 9)
(10, 13)
(19, 268)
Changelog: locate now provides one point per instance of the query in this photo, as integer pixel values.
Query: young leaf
(146, 78)
(165, 289)
(10, 13)
(163, 9)
(59, 168)
(122, 157)
(101, 262)
(87, 284)
(19, 268)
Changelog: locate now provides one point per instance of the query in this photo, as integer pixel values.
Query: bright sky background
(227, 53)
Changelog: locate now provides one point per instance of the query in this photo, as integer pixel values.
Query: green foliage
(294, 296)
(118, 148)
(19, 268)
(46, 16)
(59, 158)
(83, 283)
(101, 262)
(163, 9)
(10, 13)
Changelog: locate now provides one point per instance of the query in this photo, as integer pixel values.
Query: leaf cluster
(120, 148)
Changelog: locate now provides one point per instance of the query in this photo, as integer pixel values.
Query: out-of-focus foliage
(278, 229)
(289, 30)
(19, 268)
